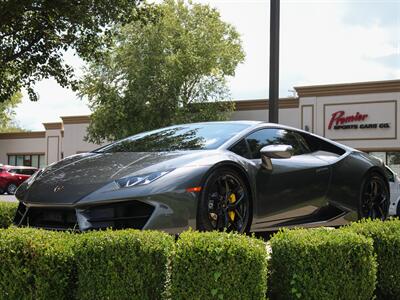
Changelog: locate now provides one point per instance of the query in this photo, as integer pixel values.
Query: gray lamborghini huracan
(239, 176)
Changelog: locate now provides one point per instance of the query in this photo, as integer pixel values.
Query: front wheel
(224, 203)
(11, 188)
(375, 198)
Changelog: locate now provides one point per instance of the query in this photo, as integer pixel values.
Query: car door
(295, 187)
(21, 176)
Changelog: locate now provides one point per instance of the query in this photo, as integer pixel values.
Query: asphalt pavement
(7, 198)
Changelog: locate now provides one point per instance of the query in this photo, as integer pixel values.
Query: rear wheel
(11, 188)
(375, 198)
(224, 202)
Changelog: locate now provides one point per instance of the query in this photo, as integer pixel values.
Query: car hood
(67, 181)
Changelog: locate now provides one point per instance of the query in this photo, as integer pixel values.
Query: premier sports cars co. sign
(339, 120)
(360, 121)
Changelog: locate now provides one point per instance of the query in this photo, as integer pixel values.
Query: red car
(12, 176)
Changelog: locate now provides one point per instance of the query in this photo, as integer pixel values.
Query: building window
(27, 160)
(392, 159)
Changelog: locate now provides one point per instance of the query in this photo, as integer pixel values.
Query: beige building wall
(21, 143)
(74, 135)
(258, 110)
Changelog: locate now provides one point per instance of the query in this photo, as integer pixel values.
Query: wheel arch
(380, 172)
(242, 172)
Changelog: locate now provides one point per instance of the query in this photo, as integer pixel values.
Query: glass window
(11, 160)
(27, 171)
(276, 136)
(393, 161)
(241, 149)
(42, 161)
(13, 171)
(180, 137)
(27, 161)
(379, 155)
(20, 160)
(35, 161)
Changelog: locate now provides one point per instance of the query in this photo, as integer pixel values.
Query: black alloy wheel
(224, 203)
(11, 188)
(375, 198)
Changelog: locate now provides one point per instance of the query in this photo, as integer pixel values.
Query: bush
(125, 264)
(321, 264)
(386, 236)
(7, 213)
(214, 265)
(35, 264)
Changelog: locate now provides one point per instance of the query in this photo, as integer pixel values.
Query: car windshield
(180, 137)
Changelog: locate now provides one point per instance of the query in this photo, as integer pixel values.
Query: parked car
(11, 177)
(234, 176)
(394, 182)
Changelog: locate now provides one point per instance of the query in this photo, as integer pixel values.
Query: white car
(394, 182)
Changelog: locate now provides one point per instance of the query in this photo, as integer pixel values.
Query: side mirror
(274, 151)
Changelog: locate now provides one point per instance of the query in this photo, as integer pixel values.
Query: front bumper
(170, 212)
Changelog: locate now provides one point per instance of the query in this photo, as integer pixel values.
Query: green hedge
(216, 265)
(321, 264)
(125, 264)
(7, 213)
(35, 264)
(386, 237)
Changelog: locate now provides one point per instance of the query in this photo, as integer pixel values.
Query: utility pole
(274, 62)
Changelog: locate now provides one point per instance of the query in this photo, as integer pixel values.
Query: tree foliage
(34, 35)
(7, 123)
(163, 72)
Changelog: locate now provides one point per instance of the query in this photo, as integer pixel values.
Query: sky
(321, 42)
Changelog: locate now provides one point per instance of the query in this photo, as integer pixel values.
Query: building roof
(368, 87)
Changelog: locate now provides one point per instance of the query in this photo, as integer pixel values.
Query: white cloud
(321, 42)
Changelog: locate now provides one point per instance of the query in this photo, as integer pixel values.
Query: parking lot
(7, 198)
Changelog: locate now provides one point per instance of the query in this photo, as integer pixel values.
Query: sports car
(235, 176)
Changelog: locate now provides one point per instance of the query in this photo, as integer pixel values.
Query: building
(362, 115)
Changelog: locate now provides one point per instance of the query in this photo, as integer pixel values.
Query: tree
(7, 123)
(34, 35)
(165, 72)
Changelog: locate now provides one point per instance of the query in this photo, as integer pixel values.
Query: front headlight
(140, 179)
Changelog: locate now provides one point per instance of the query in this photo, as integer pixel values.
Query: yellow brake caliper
(232, 199)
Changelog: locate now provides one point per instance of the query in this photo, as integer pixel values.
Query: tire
(11, 188)
(224, 202)
(1, 191)
(374, 198)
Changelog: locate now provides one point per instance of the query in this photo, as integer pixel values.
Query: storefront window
(42, 162)
(20, 160)
(27, 160)
(380, 155)
(393, 161)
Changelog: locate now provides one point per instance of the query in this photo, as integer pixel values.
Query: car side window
(241, 149)
(276, 136)
(13, 171)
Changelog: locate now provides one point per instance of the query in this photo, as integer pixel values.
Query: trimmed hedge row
(321, 264)
(7, 212)
(386, 237)
(35, 264)
(128, 264)
(214, 265)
